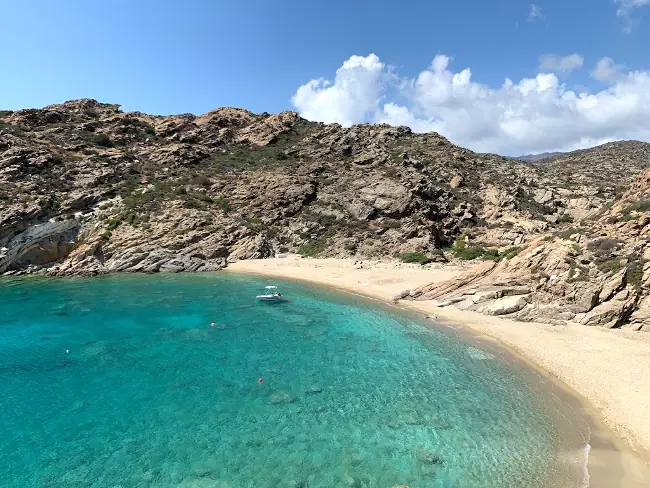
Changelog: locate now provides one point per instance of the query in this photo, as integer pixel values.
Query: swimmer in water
(212, 324)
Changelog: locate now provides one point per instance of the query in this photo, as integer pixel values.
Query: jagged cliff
(88, 189)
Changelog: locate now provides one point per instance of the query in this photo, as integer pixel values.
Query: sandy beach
(608, 369)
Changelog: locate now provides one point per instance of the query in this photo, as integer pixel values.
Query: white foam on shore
(585, 466)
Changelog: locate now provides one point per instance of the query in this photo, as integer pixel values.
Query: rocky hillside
(88, 189)
(596, 274)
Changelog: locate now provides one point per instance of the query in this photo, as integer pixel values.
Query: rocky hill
(596, 274)
(88, 189)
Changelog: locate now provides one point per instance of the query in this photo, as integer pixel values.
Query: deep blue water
(352, 394)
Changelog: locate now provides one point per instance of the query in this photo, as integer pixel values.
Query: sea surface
(122, 381)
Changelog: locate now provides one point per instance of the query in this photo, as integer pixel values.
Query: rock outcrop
(595, 275)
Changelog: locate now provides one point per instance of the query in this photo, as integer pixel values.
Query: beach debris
(281, 397)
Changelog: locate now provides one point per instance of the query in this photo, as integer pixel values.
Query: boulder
(613, 285)
(610, 314)
(586, 298)
(505, 305)
(456, 181)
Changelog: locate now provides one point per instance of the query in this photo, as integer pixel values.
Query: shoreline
(582, 362)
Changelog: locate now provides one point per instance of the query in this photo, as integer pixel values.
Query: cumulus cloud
(551, 62)
(535, 13)
(607, 70)
(353, 96)
(519, 117)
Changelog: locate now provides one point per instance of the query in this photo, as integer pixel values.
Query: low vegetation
(313, 248)
(565, 234)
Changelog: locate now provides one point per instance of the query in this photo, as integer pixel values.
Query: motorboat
(270, 294)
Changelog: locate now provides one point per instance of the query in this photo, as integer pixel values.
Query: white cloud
(607, 70)
(625, 12)
(535, 13)
(528, 116)
(352, 97)
(551, 62)
(627, 5)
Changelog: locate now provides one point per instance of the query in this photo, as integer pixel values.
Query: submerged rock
(282, 397)
(429, 457)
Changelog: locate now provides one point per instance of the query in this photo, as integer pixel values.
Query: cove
(121, 381)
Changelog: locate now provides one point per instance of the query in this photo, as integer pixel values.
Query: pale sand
(610, 369)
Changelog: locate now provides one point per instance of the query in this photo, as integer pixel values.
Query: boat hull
(270, 298)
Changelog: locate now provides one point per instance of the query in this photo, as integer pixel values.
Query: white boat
(270, 294)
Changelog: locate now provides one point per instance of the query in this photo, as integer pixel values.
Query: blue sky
(192, 56)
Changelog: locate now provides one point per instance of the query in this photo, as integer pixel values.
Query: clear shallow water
(150, 395)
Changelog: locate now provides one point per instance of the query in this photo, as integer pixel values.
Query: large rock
(586, 298)
(505, 305)
(437, 290)
(610, 314)
(613, 285)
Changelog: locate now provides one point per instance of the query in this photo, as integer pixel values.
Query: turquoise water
(121, 382)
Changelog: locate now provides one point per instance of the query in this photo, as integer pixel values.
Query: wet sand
(607, 372)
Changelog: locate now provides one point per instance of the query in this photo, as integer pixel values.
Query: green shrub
(565, 234)
(223, 204)
(350, 246)
(114, 223)
(4, 113)
(626, 217)
(610, 265)
(101, 140)
(312, 248)
(467, 253)
(634, 274)
(10, 129)
(527, 203)
(511, 252)
(640, 206)
(204, 198)
(491, 254)
(414, 257)
(201, 180)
